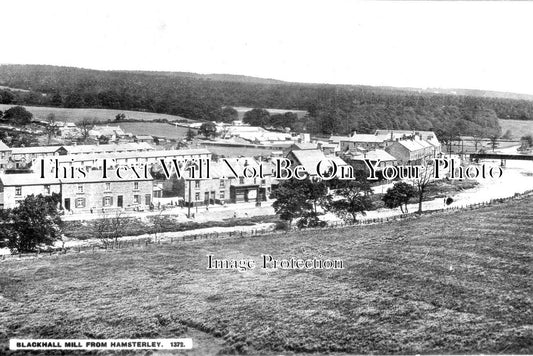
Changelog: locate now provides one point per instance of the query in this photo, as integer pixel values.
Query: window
(197, 184)
(263, 181)
(197, 196)
(222, 183)
(136, 185)
(241, 180)
(148, 199)
(108, 201)
(18, 191)
(136, 199)
(222, 195)
(108, 187)
(80, 203)
(47, 189)
(80, 188)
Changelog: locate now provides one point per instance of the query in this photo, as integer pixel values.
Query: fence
(158, 241)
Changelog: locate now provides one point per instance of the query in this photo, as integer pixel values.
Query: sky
(434, 44)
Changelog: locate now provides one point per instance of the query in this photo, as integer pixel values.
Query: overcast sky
(480, 45)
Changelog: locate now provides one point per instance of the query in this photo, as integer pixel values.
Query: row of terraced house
(91, 192)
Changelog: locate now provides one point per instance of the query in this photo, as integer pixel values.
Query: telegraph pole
(189, 202)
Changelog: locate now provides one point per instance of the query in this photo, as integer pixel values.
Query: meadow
(457, 282)
(77, 115)
(518, 128)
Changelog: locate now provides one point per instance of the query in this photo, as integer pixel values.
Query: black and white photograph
(240, 177)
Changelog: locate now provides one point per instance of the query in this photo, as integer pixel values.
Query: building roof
(305, 146)
(34, 149)
(337, 139)
(144, 137)
(21, 179)
(412, 145)
(398, 133)
(373, 155)
(309, 159)
(112, 147)
(96, 176)
(4, 147)
(25, 179)
(368, 138)
(128, 155)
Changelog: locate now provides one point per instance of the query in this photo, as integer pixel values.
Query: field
(518, 128)
(154, 129)
(76, 115)
(458, 282)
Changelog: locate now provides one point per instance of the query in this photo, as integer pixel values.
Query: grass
(458, 282)
(83, 230)
(76, 115)
(518, 128)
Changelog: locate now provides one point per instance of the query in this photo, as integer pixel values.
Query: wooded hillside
(332, 108)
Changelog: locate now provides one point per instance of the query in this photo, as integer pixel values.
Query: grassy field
(154, 129)
(459, 282)
(518, 128)
(76, 115)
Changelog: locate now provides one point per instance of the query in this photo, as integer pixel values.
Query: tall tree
(399, 196)
(291, 200)
(208, 129)
(85, 125)
(494, 142)
(190, 134)
(421, 182)
(229, 114)
(18, 115)
(51, 129)
(352, 197)
(257, 117)
(34, 223)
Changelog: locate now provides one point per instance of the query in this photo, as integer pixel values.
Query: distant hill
(218, 77)
(478, 93)
(332, 109)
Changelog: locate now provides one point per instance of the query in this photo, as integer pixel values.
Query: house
(300, 146)
(66, 129)
(98, 195)
(82, 195)
(310, 160)
(144, 138)
(5, 155)
(23, 156)
(357, 160)
(410, 151)
(16, 187)
(112, 132)
(254, 134)
(329, 149)
(230, 185)
(365, 141)
(429, 136)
